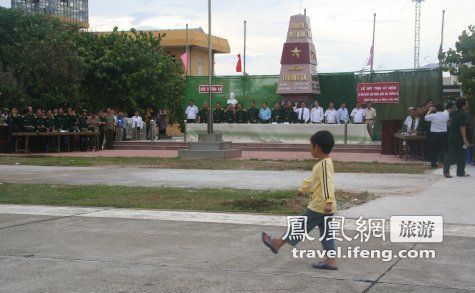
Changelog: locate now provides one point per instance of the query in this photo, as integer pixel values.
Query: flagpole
(210, 72)
(441, 49)
(372, 47)
(245, 37)
(187, 51)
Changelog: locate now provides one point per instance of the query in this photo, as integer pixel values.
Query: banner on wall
(378, 92)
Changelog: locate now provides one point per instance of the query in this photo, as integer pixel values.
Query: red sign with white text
(215, 89)
(379, 92)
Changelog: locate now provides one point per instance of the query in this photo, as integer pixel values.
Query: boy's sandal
(465, 175)
(322, 265)
(269, 242)
(448, 176)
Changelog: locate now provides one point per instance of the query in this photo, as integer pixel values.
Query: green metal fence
(416, 87)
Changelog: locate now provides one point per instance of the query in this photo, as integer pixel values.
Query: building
(75, 11)
(174, 44)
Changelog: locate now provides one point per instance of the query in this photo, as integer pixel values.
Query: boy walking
(322, 203)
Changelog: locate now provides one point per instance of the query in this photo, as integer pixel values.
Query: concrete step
(157, 145)
(198, 146)
(214, 154)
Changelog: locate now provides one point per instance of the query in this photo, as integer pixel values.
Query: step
(198, 146)
(216, 154)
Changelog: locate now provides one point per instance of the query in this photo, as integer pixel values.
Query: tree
(461, 62)
(48, 63)
(37, 52)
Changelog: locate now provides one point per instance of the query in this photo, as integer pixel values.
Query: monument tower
(298, 81)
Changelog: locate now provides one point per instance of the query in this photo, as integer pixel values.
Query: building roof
(176, 38)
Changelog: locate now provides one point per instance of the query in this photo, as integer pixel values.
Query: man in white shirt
(303, 113)
(438, 137)
(343, 115)
(316, 115)
(358, 114)
(137, 125)
(331, 115)
(370, 118)
(191, 112)
(412, 121)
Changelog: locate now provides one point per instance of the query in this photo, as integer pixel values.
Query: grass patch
(175, 163)
(217, 200)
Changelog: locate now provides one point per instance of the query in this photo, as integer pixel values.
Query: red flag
(371, 55)
(238, 65)
(184, 59)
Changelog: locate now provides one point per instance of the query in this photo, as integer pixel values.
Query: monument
(298, 81)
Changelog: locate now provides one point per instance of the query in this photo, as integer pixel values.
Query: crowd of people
(111, 125)
(284, 113)
(449, 130)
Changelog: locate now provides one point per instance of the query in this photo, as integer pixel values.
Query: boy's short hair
(324, 139)
(460, 103)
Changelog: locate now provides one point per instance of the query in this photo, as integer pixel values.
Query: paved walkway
(82, 250)
(246, 155)
(428, 194)
(237, 179)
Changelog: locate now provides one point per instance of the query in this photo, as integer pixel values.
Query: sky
(342, 30)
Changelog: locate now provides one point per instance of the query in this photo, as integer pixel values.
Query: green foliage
(48, 63)
(461, 62)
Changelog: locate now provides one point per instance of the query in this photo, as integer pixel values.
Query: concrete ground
(246, 155)
(238, 179)
(61, 249)
(85, 250)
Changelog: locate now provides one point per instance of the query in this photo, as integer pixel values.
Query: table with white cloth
(281, 133)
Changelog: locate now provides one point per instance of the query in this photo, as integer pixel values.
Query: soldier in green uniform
(15, 124)
(218, 114)
(241, 114)
(49, 121)
(82, 121)
(40, 121)
(60, 120)
(457, 140)
(72, 120)
(288, 114)
(277, 113)
(253, 113)
(230, 114)
(203, 113)
(29, 120)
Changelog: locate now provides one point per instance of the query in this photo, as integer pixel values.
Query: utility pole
(441, 49)
(210, 72)
(417, 34)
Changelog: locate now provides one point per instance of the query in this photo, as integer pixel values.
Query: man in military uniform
(218, 114)
(230, 114)
(15, 124)
(60, 120)
(288, 114)
(29, 120)
(277, 113)
(203, 113)
(253, 113)
(72, 119)
(241, 115)
(458, 141)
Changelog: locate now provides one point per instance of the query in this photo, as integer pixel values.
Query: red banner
(378, 92)
(215, 89)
